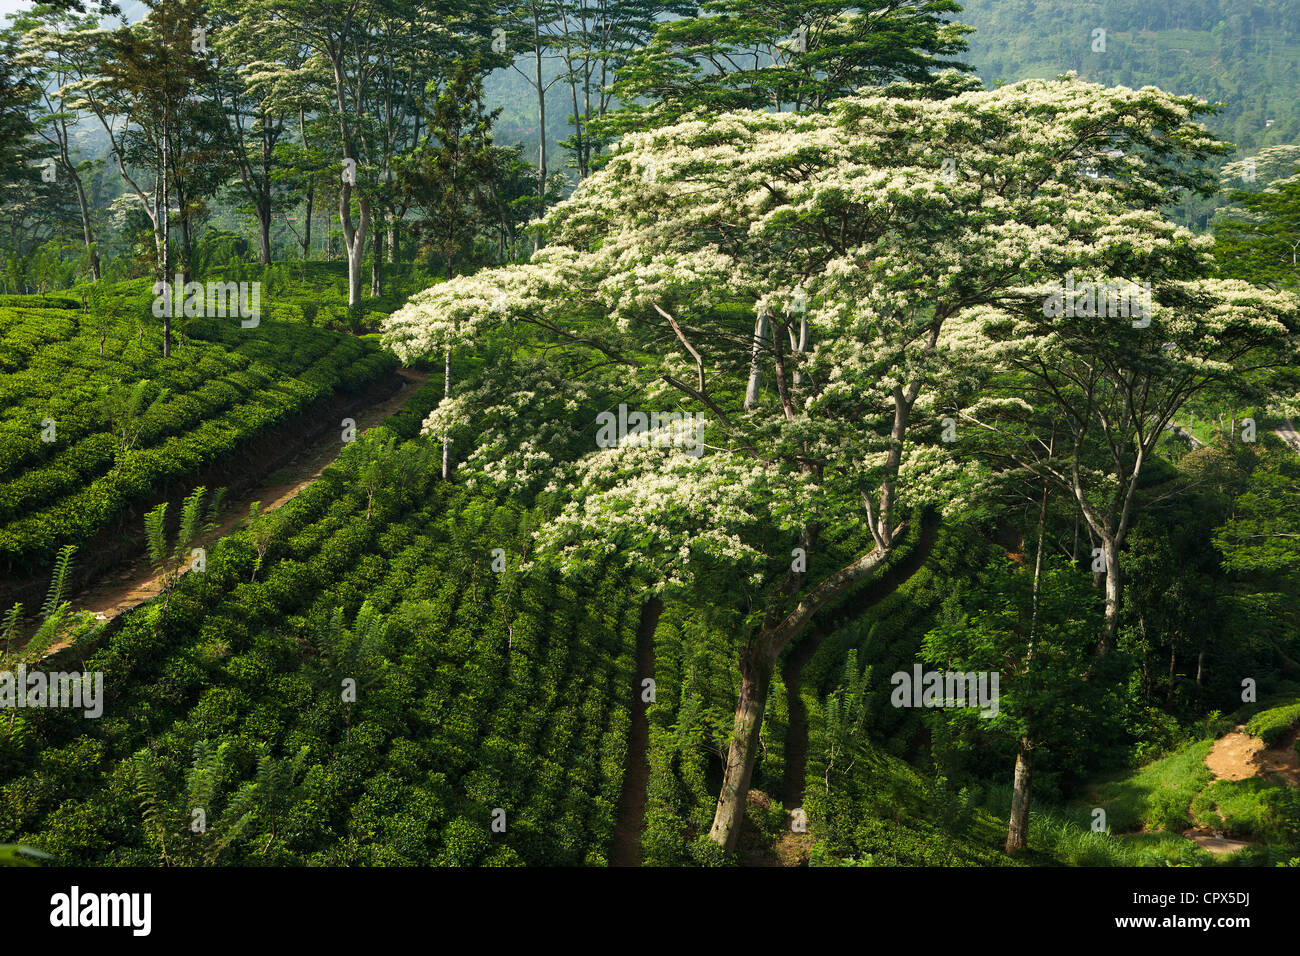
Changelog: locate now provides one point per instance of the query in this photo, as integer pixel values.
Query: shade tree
(849, 220)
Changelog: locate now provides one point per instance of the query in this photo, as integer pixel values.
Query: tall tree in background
(144, 76)
(55, 54)
(377, 60)
(532, 28)
(450, 180)
(783, 55)
(254, 110)
(19, 180)
(1111, 384)
(595, 38)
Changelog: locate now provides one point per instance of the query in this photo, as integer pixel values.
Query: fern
(235, 818)
(58, 581)
(203, 780)
(155, 532)
(191, 520)
(214, 510)
(9, 628)
(146, 780)
(327, 637)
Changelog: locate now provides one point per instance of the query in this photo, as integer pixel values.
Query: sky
(133, 9)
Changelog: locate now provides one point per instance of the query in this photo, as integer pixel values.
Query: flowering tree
(865, 239)
(1088, 396)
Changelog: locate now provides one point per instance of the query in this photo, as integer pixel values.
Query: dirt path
(1234, 755)
(121, 592)
(1239, 756)
(626, 848)
(757, 849)
(1215, 841)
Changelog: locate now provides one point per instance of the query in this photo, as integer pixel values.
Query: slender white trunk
(446, 439)
(761, 325)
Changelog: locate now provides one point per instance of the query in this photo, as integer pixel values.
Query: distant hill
(1243, 53)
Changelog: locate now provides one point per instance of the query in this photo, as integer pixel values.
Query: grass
(1249, 809)
(1272, 725)
(1156, 796)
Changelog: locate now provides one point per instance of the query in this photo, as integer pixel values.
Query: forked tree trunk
(756, 666)
(354, 239)
(1018, 827)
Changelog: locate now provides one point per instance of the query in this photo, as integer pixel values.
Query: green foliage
(131, 420)
(470, 698)
(1259, 809)
(1273, 724)
(1157, 796)
(22, 856)
(57, 622)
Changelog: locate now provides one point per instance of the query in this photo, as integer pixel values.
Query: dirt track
(131, 587)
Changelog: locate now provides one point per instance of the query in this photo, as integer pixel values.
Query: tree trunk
(541, 125)
(446, 439)
(354, 240)
(803, 345)
(264, 235)
(377, 263)
(755, 366)
(306, 231)
(356, 252)
(87, 232)
(165, 216)
(1110, 549)
(755, 681)
(1200, 676)
(1018, 827)
(1169, 687)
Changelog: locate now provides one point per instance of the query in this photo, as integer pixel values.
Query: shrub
(1272, 725)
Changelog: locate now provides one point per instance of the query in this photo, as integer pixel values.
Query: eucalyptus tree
(851, 219)
(54, 55)
(140, 85)
(378, 61)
